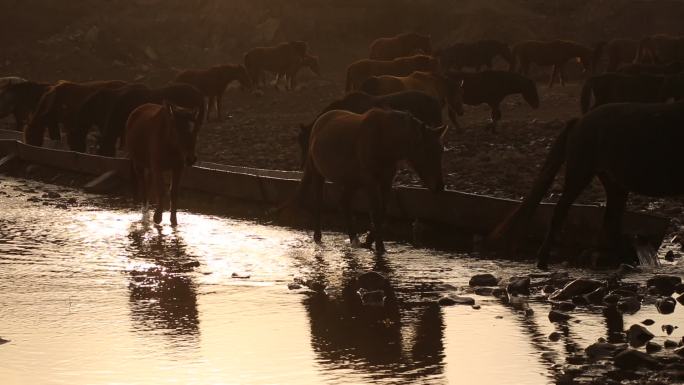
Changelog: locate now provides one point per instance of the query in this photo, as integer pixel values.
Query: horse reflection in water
(163, 296)
(364, 327)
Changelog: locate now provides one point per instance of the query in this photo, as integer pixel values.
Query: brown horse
(58, 105)
(275, 59)
(180, 94)
(474, 54)
(618, 51)
(402, 45)
(363, 152)
(620, 88)
(630, 147)
(554, 53)
(160, 138)
(660, 49)
(361, 70)
(448, 90)
(212, 83)
(20, 100)
(290, 73)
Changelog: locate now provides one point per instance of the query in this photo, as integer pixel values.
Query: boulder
(666, 305)
(652, 347)
(664, 283)
(679, 351)
(564, 306)
(557, 316)
(579, 286)
(603, 349)
(638, 335)
(680, 299)
(668, 329)
(518, 286)
(634, 359)
(555, 336)
(648, 322)
(670, 344)
(629, 305)
(455, 300)
(596, 296)
(483, 280)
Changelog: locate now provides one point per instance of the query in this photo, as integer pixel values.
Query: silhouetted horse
(58, 105)
(21, 99)
(275, 59)
(475, 54)
(491, 87)
(618, 51)
(617, 88)
(421, 105)
(180, 94)
(630, 147)
(402, 45)
(160, 138)
(554, 53)
(660, 49)
(448, 90)
(653, 69)
(361, 70)
(363, 152)
(212, 83)
(290, 73)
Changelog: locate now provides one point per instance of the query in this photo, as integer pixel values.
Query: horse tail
(518, 219)
(585, 98)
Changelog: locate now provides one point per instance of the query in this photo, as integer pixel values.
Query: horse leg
(219, 107)
(175, 186)
(616, 201)
(158, 180)
(345, 204)
(554, 71)
(496, 115)
(562, 75)
(377, 197)
(318, 183)
(577, 177)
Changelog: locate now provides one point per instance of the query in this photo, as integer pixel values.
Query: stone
(596, 296)
(564, 306)
(579, 300)
(579, 286)
(634, 359)
(603, 349)
(680, 299)
(483, 291)
(679, 351)
(638, 335)
(555, 336)
(548, 289)
(648, 322)
(3, 341)
(666, 305)
(372, 280)
(669, 256)
(483, 280)
(476, 307)
(670, 344)
(664, 283)
(499, 292)
(679, 288)
(455, 300)
(668, 329)
(629, 305)
(652, 347)
(294, 286)
(518, 286)
(557, 316)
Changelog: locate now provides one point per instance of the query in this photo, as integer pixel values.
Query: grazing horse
(21, 99)
(275, 59)
(554, 53)
(621, 88)
(448, 90)
(651, 68)
(160, 138)
(58, 105)
(630, 147)
(660, 48)
(180, 94)
(363, 152)
(212, 83)
(424, 107)
(290, 73)
(491, 87)
(475, 54)
(618, 51)
(402, 45)
(361, 70)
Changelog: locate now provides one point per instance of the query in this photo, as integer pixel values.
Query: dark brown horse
(660, 49)
(160, 138)
(275, 59)
(180, 94)
(555, 53)
(21, 100)
(363, 152)
(421, 105)
(620, 88)
(491, 87)
(617, 51)
(361, 70)
(448, 90)
(402, 45)
(630, 147)
(58, 105)
(476, 55)
(290, 73)
(212, 83)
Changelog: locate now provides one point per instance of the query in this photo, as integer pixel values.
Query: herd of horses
(393, 111)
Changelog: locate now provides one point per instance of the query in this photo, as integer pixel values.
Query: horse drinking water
(160, 138)
(363, 152)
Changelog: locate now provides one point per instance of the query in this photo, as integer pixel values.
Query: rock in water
(556, 316)
(666, 305)
(629, 305)
(580, 286)
(596, 296)
(519, 286)
(667, 329)
(652, 347)
(555, 336)
(483, 280)
(455, 300)
(633, 359)
(680, 351)
(603, 349)
(648, 322)
(679, 289)
(638, 335)
(669, 344)
(564, 306)
(664, 283)
(680, 299)
(3, 341)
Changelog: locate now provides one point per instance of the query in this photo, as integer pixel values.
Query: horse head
(183, 126)
(425, 151)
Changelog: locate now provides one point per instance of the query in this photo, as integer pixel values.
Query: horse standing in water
(630, 147)
(212, 83)
(554, 53)
(160, 138)
(363, 152)
(402, 45)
